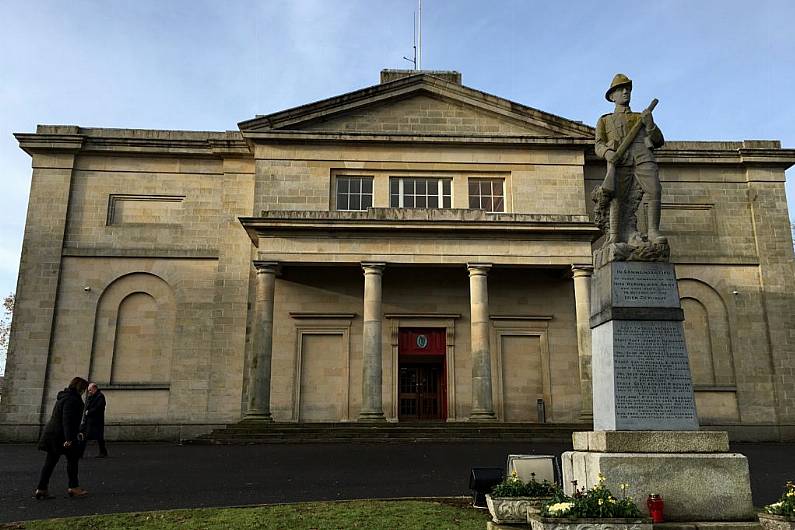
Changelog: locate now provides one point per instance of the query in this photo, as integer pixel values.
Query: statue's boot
(654, 224)
(612, 233)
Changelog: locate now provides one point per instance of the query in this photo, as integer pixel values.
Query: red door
(422, 389)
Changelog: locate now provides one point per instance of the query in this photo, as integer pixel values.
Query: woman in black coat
(61, 437)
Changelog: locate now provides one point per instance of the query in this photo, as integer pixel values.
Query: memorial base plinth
(696, 486)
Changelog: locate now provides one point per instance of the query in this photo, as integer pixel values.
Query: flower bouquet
(596, 509)
(511, 500)
(780, 515)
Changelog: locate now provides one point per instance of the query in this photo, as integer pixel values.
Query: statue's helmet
(618, 81)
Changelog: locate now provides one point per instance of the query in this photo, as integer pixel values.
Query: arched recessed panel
(710, 351)
(134, 331)
(699, 343)
(136, 352)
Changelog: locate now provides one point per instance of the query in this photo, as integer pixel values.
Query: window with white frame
(487, 194)
(420, 192)
(354, 193)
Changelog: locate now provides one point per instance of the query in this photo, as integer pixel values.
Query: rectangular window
(487, 194)
(420, 192)
(354, 193)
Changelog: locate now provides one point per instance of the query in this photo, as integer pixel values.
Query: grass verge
(369, 515)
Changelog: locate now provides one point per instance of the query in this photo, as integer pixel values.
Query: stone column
(482, 402)
(582, 303)
(372, 404)
(259, 372)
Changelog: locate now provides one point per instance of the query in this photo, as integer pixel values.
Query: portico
(409, 263)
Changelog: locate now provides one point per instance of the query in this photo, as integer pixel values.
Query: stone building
(415, 250)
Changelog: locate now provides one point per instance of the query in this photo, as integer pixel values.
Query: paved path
(157, 477)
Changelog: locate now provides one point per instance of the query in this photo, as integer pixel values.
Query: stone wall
(149, 291)
(301, 177)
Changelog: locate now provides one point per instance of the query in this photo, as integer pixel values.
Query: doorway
(422, 379)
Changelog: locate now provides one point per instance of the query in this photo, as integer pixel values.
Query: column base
(258, 417)
(482, 415)
(372, 417)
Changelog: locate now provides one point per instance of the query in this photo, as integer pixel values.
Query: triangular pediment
(421, 105)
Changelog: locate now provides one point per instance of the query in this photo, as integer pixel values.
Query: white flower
(560, 508)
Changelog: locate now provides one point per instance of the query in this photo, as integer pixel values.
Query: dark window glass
(446, 188)
(421, 201)
(422, 187)
(408, 201)
(394, 200)
(367, 201)
(394, 186)
(433, 201)
(350, 192)
(486, 194)
(446, 203)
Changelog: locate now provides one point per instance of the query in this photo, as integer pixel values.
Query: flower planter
(776, 522)
(561, 523)
(512, 510)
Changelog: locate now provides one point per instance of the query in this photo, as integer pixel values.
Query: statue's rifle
(609, 184)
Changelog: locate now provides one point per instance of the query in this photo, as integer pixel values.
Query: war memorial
(416, 251)
(646, 428)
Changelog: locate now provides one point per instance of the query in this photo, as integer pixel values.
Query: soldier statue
(626, 140)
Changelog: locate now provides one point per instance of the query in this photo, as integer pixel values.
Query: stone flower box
(776, 522)
(512, 510)
(562, 523)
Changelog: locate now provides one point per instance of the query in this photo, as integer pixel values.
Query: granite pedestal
(645, 424)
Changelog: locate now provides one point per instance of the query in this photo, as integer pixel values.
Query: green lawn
(409, 515)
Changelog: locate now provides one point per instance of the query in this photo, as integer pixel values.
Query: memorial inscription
(644, 285)
(653, 388)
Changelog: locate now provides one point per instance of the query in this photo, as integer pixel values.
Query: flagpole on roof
(419, 36)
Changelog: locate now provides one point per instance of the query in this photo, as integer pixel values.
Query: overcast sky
(722, 69)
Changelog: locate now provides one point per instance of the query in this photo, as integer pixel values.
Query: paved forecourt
(159, 477)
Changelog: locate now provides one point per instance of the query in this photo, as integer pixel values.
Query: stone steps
(262, 433)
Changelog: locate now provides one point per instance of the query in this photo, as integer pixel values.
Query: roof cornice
(72, 139)
(394, 220)
(290, 136)
(33, 143)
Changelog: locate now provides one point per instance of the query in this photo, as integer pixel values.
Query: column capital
(581, 270)
(478, 269)
(267, 267)
(373, 267)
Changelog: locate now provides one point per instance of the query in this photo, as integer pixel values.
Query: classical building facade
(415, 250)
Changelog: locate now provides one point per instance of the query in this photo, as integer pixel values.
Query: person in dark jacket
(61, 436)
(93, 427)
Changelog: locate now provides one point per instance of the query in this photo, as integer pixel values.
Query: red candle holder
(656, 506)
